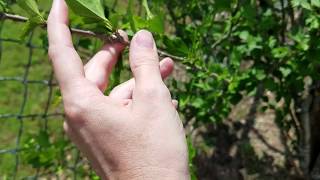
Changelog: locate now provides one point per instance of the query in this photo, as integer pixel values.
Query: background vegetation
(247, 80)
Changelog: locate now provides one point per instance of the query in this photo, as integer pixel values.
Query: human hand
(135, 132)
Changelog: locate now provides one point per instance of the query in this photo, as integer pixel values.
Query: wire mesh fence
(32, 142)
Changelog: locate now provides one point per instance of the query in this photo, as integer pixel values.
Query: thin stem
(108, 38)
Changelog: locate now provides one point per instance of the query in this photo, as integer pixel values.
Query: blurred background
(246, 77)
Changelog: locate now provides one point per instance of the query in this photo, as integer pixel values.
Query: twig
(296, 122)
(109, 38)
(13, 17)
(223, 38)
(162, 53)
(232, 28)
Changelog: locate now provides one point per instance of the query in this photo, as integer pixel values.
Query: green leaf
(30, 6)
(35, 18)
(92, 11)
(313, 22)
(315, 3)
(302, 40)
(156, 24)
(27, 29)
(272, 42)
(285, 71)
(176, 46)
(280, 52)
(198, 103)
(43, 139)
(115, 19)
(3, 6)
(303, 3)
(244, 35)
(259, 74)
(140, 23)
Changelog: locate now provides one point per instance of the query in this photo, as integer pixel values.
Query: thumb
(144, 60)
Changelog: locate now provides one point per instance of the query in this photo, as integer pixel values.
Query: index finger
(66, 62)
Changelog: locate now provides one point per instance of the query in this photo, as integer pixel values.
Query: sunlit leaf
(27, 29)
(156, 24)
(3, 6)
(315, 3)
(33, 13)
(30, 6)
(92, 11)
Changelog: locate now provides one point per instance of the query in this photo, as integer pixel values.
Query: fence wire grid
(30, 117)
(32, 142)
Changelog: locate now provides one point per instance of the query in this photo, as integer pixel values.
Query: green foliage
(30, 6)
(35, 18)
(192, 155)
(3, 6)
(92, 11)
(41, 152)
(134, 23)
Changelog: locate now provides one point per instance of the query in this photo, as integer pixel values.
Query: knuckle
(53, 51)
(141, 65)
(144, 60)
(76, 109)
(155, 92)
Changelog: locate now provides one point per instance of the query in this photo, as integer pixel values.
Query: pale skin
(133, 133)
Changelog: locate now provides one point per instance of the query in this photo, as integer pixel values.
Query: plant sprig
(91, 11)
(34, 16)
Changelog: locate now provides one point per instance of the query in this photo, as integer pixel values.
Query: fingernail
(124, 37)
(145, 39)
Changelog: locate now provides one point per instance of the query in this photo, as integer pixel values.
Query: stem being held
(115, 37)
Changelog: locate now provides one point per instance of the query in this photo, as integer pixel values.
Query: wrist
(173, 169)
(153, 173)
